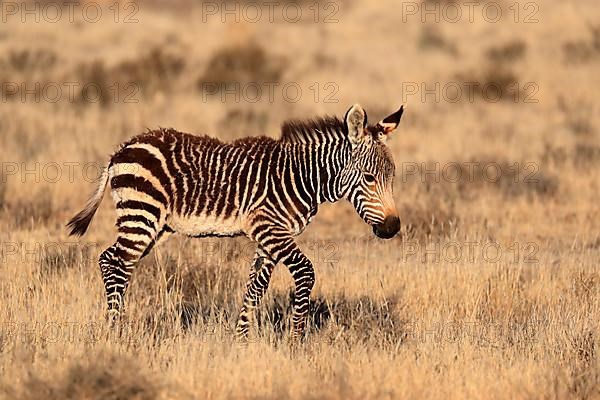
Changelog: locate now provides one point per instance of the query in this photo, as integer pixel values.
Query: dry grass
(491, 291)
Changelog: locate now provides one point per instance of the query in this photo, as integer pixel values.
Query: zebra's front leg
(283, 248)
(260, 275)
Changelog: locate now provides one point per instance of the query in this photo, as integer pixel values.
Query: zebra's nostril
(394, 224)
(387, 229)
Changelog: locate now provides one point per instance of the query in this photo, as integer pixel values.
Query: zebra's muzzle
(387, 229)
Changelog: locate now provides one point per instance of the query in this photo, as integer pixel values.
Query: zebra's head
(369, 175)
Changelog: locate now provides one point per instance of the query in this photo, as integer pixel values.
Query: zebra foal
(165, 181)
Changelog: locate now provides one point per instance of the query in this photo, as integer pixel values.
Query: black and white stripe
(165, 181)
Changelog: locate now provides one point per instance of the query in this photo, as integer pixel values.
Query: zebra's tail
(78, 225)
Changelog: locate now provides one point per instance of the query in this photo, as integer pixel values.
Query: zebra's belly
(200, 225)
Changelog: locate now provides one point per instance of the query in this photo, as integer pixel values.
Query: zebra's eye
(370, 179)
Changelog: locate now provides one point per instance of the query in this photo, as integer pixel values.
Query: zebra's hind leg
(260, 275)
(118, 262)
(111, 266)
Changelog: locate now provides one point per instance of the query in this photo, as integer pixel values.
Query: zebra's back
(195, 185)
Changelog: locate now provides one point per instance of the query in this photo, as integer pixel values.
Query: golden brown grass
(491, 291)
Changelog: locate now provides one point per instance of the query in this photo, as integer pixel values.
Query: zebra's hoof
(113, 317)
(241, 336)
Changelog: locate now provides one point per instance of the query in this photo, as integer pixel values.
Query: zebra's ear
(356, 122)
(390, 123)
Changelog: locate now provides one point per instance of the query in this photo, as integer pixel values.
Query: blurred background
(513, 84)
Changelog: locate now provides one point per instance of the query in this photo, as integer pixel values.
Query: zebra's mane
(316, 130)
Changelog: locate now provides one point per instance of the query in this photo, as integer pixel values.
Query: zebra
(164, 182)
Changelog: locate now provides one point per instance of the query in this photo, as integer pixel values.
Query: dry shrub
(585, 284)
(364, 319)
(26, 69)
(583, 356)
(152, 72)
(29, 140)
(275, 312)
(555, 155)
(210, 284)
(586, 155)
(231, 67)
(503, 81)
(95, 83)
(464, 179)
(210, 294)
(360, 319)
(578, 116)
(57, 258)
(28, 60)
(325, 60)
(432, 38)
(516, 281)
(98, 377)
(515, 184)
(496, 83)
(29, 213)
(509, 178)
(203, 289)
(583, 155)
(583, 50)
(509, 52)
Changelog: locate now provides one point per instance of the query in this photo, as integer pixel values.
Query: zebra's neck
(321, 167)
